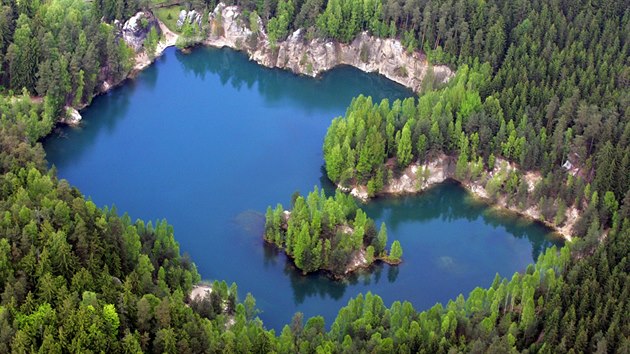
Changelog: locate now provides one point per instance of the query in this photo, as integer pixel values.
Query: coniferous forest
(330, 234)
(538, 83)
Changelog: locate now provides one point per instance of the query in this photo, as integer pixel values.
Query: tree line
(327, 233)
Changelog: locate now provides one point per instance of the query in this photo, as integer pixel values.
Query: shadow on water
(303, 286)
(275, 85)
(320, 284)
(103, 114)
(449, 201)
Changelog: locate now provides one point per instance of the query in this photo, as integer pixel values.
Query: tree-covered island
(328, 233)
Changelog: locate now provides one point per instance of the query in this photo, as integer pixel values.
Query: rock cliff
(135, 30)
(312, 57)
(419, 177)
(188, 17)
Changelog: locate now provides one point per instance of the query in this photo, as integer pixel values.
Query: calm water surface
(207, 140)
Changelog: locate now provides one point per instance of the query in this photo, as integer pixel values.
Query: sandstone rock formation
(72, 117)
(188, 17)
(312, 57)
(135, 30)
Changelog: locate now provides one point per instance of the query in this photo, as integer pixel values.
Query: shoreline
(441, 169)
(262, 53)
(312, 57)
(358, 263)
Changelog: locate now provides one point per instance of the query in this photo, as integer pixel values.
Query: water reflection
(276, 85)
(448, 202)
(103, 116)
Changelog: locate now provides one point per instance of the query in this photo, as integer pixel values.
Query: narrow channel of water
(207, 140)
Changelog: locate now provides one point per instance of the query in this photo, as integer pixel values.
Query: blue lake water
(209, 139)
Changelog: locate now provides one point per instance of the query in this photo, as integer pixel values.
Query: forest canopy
(539, 83)
(328, 233)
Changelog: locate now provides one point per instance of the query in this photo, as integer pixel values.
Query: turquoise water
(207, 140)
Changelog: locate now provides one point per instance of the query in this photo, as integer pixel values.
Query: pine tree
(403, 153)
(396, 252)
(381, 240)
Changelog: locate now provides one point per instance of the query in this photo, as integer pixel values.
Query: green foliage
(324, 232)
(407, 130)
(554, 88)
(253, 22)
(168, 16)
(151, 42)
(190, 36)
(48, 53)
(278, 26)
(396, 252)
(85, 251)
(403, 153)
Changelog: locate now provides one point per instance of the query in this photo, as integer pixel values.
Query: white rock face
(181, 18)
(188, 17)
(370, 54)
(73, 117)
(134, 32)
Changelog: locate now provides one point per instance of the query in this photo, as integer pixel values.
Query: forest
(539, 83)
(375, 142)
(328, 233)
(61, 51)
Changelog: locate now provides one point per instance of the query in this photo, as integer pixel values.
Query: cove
(209, 139)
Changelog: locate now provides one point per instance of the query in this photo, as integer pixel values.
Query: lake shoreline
(262, 54)
(417, 178)
(146, 63)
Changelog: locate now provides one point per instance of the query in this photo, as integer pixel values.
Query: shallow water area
(209, 139)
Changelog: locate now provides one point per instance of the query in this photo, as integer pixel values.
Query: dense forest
(375, 142)
(545, 82)
(328, 233)
(60, 50)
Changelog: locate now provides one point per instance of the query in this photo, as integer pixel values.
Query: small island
(328, 233)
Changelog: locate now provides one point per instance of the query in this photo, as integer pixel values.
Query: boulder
(191, 17)
(72, 117)
(181, 19)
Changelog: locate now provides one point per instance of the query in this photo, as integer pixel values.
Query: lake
(209, 139)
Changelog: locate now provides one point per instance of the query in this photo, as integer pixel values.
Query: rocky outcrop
(419, 177)
(72, 117)
(135, 30)
(387, 57)
(190, 17)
